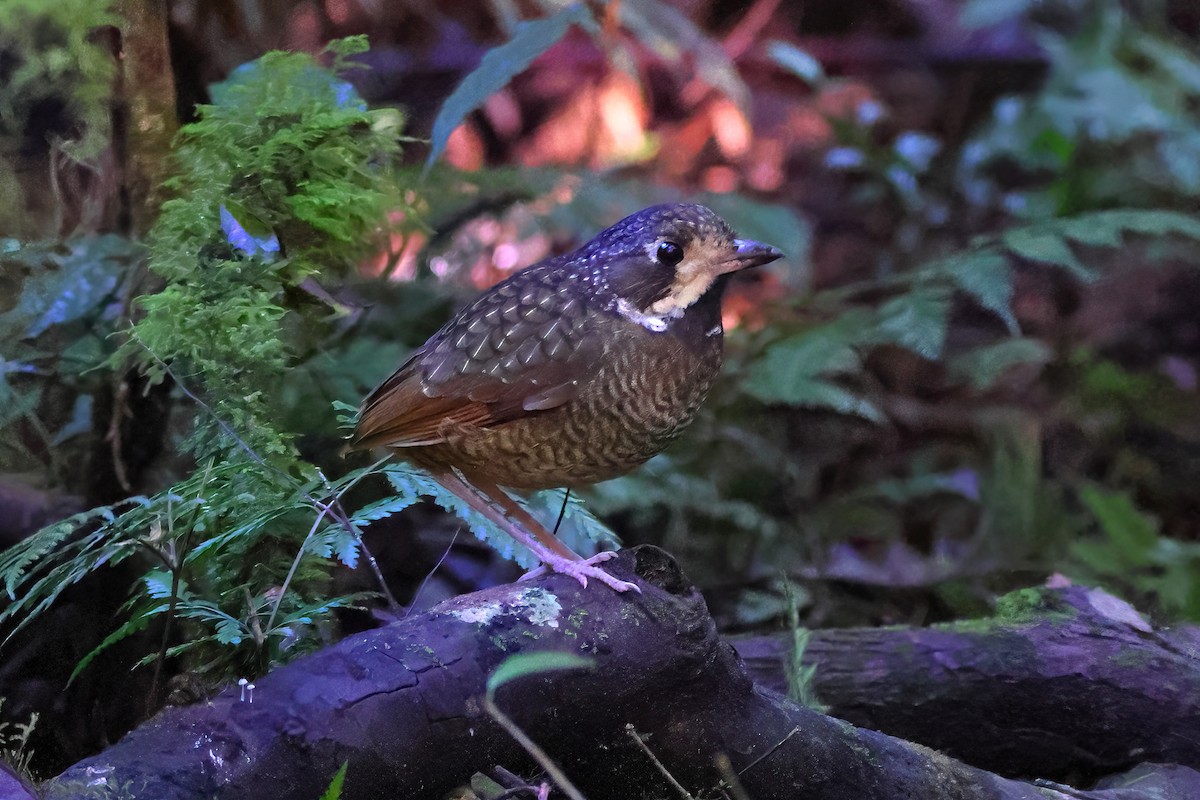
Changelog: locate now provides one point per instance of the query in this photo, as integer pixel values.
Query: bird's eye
(669, 254)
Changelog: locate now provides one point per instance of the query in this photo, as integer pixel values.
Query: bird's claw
(581, 570)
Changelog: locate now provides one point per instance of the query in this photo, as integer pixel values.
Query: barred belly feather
(635, 404)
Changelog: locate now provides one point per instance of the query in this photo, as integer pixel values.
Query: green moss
(1030, 605)
(1027, 606)
(285, 176)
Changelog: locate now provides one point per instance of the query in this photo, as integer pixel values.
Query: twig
(339, 515)
(120, 410)
(392, 602)
(536, 753)
(637, 739)
(295, 565)
(120, 384)
(176, 566)
(767, 754)
(252, 615)
(729, 778)
(748, 28)
(225, 427)
(413, 603)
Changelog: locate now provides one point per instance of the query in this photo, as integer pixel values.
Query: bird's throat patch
(657, 323)
(692, 279)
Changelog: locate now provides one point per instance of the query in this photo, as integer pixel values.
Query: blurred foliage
(56, 78)
(500, 65)
(1133, 555)
(954, 467)
(60, 306)
(1114, 125)
(800, 676)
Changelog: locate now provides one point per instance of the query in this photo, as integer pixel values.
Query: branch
(403, 705)
(1078, 685)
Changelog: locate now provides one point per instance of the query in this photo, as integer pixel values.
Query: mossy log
(1066, 684)
(402, 705)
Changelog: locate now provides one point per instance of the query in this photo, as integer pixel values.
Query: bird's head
(664, 258)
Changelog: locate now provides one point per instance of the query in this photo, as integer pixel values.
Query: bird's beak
(749, 253)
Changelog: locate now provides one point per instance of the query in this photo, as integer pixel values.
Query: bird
(572, 371)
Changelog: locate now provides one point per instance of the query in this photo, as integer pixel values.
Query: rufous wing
(519, 349)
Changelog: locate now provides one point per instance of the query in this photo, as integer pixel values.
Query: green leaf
(157, 584)
(306, 614)
(791, 362)
(382, 508)
(915, 320)
(499, 66)
(248, 532)
(136, 623)
(1104, 228)
(334, 541)
(827, 350)
(1047, 247)
(1092, 229)
(796, 61)
(1099, 556)
(1152, 223)
(227, 629)
(525, 664)
(1179, 64)
(986, 13)
(580, 529)
(914, 487)
(791, 370)
(412, 482)
(334, 791)
(80, 422)
(983, 366)
(1131, 531)
(63, 283)
(988, 278)
(673, 36)
(821, 394)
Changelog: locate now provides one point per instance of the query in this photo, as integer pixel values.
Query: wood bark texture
(1074, 686)
(403, 706)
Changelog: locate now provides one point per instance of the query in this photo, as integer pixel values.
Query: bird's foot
(581, 570)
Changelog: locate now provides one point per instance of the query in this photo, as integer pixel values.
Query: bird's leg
(494, 503)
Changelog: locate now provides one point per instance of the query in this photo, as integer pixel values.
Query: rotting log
(1064, 683)
(402, 705)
